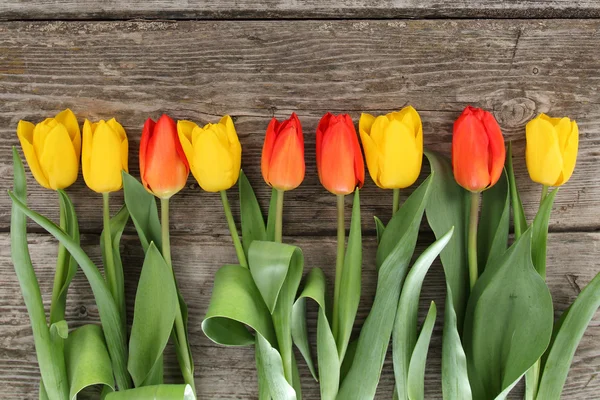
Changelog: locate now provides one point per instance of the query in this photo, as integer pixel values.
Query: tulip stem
(179, 332)
(239, 249)
(472, 243)
(339, 263)
(544, 194)
(396, 201)
(57, 307)
(279, 217)
(109, 267)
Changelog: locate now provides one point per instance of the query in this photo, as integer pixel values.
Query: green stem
(57, 307)
(396, 201)
(544, 194)
(109, 268)
(339, 263)
(472, 243)
(179, 331)
(239, 249)
(279, 217)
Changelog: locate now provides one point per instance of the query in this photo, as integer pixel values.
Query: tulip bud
(163, 166)
(213, 152)
(393, 145)
(282, 160)
(477, 150)
(104, 155)
(52, 149)
(551, 149)
(339, 159)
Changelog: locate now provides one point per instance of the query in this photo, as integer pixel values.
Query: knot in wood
(516, 112)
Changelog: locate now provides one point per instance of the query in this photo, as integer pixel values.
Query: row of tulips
(485, 274)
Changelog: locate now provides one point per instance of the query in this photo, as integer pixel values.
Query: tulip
(477, 150)
(163, 166)
(339, 159)
(213, 152)
(52, 149)
(393, 145)
(104, 155)
(282, 161)
(551, 149)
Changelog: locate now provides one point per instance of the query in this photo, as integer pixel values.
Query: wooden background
(200, 59)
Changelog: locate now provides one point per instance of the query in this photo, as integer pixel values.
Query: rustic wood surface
(256, 69)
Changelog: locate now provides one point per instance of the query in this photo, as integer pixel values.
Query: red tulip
(163, 165)
(282, 162)
(339, 159)
(477, 150)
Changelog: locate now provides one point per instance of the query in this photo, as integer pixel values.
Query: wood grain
(254, 70)
(267, 9)
(228, 373)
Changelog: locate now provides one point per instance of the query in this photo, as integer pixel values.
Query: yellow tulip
(213, 152)
(551, 149)
(393, 145)
(104, 155)
(52, 149)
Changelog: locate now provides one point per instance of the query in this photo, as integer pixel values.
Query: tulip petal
(470, 153)
(365, 123)
(410, 118)
(25, 134)
(287, 168)
(338, 159)
(105, 158)
(372, 155)
(542, 153)
(267, 150)
(235, 147)
(378, 131)
(401, 162)
(146, 134)
(86, 151)
(497, 151)
(184, 130)
(569, 144)
(359, 164)
(321, 128)
(69, 120)
(58, 158)
(40, 133)
(212, 165)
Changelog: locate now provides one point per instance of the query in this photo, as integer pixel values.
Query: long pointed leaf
(158, 392)
(253, 224)
(270, 366)
(144, 213)
(519, 220)
(416, 369)
(492, 233)
(540, 234)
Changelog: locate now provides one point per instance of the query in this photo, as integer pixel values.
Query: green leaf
(157, 392)
(253, 224)
(270, 367)
(50, 358)
(565, 340)
(380, 228)
(448, 207)
(60, 329)
(327, 354)
(272, 217)
(88, 362)
(393, 256)
(405, 323)
(416, 369)
(108, 309)
(117, 225)
(540, 234)
(235, 303)
(153, 318)
(492, 233)
(350, 280)
(508, 323)
(144, 213)
(519, 220)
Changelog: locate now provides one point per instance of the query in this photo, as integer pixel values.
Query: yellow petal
(184, 130)
(365, 123)
(411, 119)
(401, 161)
(542, 153)
(58, 158)
(86, 151)
(377, 131)
(25, 134)
(372, 154)
(118, 128)
(40, 133)
(235, 147)
(212, 163)
(105, 163)
(569, 147)
(69, 120)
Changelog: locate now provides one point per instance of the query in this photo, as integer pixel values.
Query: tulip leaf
(108, 309)
(270, 367)
(379, 228)
(327, 354)
(350, 280)
(405, 324)
(448, 207)
(88, 362)
(519, 220)
(235, 303)
(565, 339)
(393, 257)
(157, 392)
(144, 213)
(416, 369)
(492, 233)
(50, 358)
(540, 234)
(253, 224)
(153, 318)
(508, 323)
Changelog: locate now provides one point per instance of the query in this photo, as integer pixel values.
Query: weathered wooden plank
(237, 9)
(256, 69)
(228, 373)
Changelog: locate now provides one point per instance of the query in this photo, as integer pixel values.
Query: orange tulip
(282, 162)
(339, 159)
(477, 150)
(163, 165)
